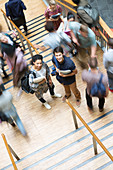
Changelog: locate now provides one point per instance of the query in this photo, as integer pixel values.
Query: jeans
(89, 101)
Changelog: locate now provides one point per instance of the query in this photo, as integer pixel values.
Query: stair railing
(10, 150)
(95, 138)
(103, 29)
(20, 34)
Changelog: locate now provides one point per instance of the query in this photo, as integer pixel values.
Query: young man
(91, 77)
(68, 80)
(14, 9)
(84, 37)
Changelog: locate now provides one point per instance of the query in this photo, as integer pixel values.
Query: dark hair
(70, 15)
(57, 50)
(110, 42)
(93, 62)
(49, 26)
(36, 57)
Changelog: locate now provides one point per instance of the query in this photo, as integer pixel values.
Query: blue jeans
(13, 113)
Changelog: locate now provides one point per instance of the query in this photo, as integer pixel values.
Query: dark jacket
(16, 6)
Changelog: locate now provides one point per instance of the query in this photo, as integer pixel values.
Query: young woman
(51, 10)
(40, 80)
(14, 57)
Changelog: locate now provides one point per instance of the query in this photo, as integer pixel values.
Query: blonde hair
(84, 28)
(52, 2)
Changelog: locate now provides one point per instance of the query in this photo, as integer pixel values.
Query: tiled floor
(105, 8)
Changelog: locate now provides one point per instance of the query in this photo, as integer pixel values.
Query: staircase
(75, 149)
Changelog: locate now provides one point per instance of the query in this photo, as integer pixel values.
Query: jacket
(16, 6)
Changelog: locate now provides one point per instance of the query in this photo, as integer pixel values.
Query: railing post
(21, 40)
(75, 119)
(13, 152)
(30, 49)
(7, 22)
(95, 146)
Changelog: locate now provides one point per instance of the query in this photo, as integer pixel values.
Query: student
(91, 77)
(108, 63)
(40, 70)
(53, 9)
(85, 39)
(14, 57)
(14, 9)
(68, 81)
(7, 107)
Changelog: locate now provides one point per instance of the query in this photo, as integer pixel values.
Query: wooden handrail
(21, 32)
(101, 22)
(89, 129)
(66, 6)
(8, 150)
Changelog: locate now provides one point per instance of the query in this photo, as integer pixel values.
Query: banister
(8, 150)
(89, 129)
(21, 32)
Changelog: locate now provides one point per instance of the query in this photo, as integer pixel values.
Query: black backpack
(25, 82)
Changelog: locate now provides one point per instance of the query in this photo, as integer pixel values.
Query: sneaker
(47, 105)
(56, 95)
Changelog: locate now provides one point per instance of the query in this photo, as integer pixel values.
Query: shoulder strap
(101, 78)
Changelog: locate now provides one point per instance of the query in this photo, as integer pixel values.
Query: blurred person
(51, 10)
(14, 9)
(7, 108)
(85, 40)
(61, 62)
(41, 70)
(91, 77)
(108, 63)
(13, 54)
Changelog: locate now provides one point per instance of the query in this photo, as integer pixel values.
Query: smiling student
(66, 71)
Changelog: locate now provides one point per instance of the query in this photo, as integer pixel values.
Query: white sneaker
(47, 105)
(56, 95)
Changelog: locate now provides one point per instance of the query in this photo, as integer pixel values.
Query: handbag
(18, 21)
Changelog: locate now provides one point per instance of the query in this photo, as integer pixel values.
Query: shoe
(47, 105)
(101, 110)
(13, 124)
(110, 90)
(56, 95)
(65, 97)
(90, 110)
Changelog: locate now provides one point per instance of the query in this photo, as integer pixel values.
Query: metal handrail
(90, 130)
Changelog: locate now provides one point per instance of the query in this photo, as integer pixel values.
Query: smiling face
(59, 57)
(4, 39)
(38, 64)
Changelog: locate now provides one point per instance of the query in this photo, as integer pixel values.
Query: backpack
(25, 83)
(88, 15)
(98, 89)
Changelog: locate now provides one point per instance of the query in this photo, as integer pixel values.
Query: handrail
(20, 32)
(8, 150)
(89, 129)
(101, 22)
